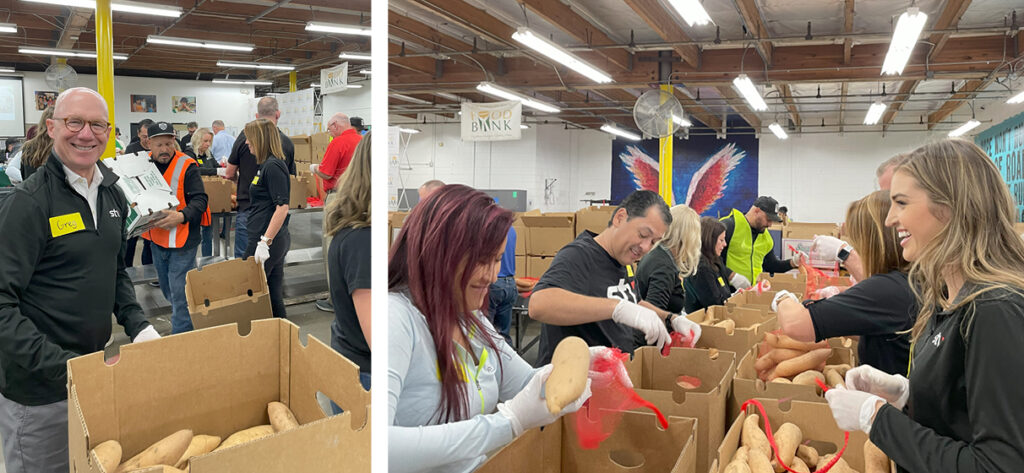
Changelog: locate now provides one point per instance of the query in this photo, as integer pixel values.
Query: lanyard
(466, 375)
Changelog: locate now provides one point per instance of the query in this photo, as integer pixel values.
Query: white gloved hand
(600, 377)
(642, 319)
(739, 281)
(826, 292)
(147, 334)
(528, 410)
(683, 325)
(313, 168)
(780, 296)
(829, 247)
(799, 259)
(895, 389)
(262, 252)
(852, 409)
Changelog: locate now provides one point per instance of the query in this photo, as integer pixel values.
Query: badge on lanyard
(64, 224)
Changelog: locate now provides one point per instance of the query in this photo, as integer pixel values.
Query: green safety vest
(746, 256)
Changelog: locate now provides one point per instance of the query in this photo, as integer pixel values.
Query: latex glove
(852, 410)
(642, 319)
(799, 259)
(683, 325)
(147, 334)
(826, 292)
(780, 296)
(528, 410)
(895, 389)
(829, 247)
(262, 252)
(601, 352)
(313, 168)
(739, 281)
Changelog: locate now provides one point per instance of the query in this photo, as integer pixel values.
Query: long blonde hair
(979, 243)
(264, 138)
(36, 150)
(197, 138)
(877, 245)
(683, 239)
(351, 207)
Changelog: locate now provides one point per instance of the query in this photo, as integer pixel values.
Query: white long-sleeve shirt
(416, 442)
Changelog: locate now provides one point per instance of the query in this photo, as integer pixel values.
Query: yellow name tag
(200, 161)
(64, 224)
(256, 180)
(629, 270)
(720, 281)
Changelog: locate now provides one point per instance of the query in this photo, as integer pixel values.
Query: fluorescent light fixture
(6, 68)
(452, 97)
(354, 56)
(874, 113)
(365, 71)
(199, 43)
(681, 121)
(692, 11)
(123, 6)
(256, 65)
(314, 85)
(501, 92)
(524, 127)
(970, 125)
(560, 55)
(744, 85)
(908, 28)
(242, 82)
(8, 28)
(411, 131)
(411, 99)
(336, 28)
(620, 132)
(779, 132)
(1019, 98)
(65, 53)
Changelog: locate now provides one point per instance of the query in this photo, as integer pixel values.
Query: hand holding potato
(528, 409)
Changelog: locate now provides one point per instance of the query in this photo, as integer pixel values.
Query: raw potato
(200, 445)
(759, 463)
(781, 381)
(808, 454)
(728, 324)
(840, 467)
(840, 369)
(833, 379)
(568, 378)
(875, 460)
(807, 378)
(162, 469)
(109, 455)
(784, 341)
(753, 437)
(800, 466)
(742, 453)
(787, 439)
(737, 467)
(802, 363)
(281, 417)
(245, 436)
(165, 452)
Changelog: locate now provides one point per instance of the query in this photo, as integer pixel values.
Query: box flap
(549, 220)
(224, 280)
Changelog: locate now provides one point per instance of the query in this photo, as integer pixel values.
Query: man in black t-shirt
(186, 141)
(143, 143)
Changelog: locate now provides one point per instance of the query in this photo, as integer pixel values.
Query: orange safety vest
(174, 175)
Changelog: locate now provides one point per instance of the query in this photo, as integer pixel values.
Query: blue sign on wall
(1004, 143)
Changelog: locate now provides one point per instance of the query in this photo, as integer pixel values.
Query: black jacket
(657, 280)
(771, 263)
(207, 164)
(708, 287)
(57, 292)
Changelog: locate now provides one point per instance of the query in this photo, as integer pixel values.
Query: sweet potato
(840, 467)
(802, 363)
(737, 467)
(807, 378)
(759, 463)
(784, 341)
(833, 379)
(281, 417)
(808, 454)
(839, 369)
(570, 363)
(781, 381)
(787, 439)
(245, 436)
(753, 437)
(109, 455)
(162, 469)
(799, 466)
(875, 460)
(164, 452)
(764, 363)
(200, 445)
(728, 324)
(742, 453)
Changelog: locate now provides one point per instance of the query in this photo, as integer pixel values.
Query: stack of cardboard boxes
(547, 233)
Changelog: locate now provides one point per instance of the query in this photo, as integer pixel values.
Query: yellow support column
(292, 78)
(665, 162)
(105, 65)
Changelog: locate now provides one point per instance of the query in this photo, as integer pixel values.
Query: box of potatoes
(214, 401)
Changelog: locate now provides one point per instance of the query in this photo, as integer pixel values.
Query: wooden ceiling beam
(740, 107)
(698, 111)
(421, 65)
(787, 98)
(848, 13)
(906, 89)
(954, 102)
(477, 20)
(663, 23)
(416, 32)
(755, 27)
(563, 17)
(949, 18)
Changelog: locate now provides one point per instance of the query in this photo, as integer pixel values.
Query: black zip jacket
(964, 412)
(196, 201)
(57, 292)
(770, 264)
(207, 164)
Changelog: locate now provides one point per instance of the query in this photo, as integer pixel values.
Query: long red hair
(455, 227)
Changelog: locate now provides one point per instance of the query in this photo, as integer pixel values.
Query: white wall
(351, 102)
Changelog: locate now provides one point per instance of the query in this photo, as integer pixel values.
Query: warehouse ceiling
(277, 28)
(817, 62)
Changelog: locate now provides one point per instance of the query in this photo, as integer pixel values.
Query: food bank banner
(495, 121)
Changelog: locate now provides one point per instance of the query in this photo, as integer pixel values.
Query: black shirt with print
(583, 267)
(268, 189)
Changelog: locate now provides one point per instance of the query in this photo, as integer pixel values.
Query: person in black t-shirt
(186, 141)
(709, 286)
(879, 308)
(269, 192)
(586, 293)
(143, 138)
(659, 276)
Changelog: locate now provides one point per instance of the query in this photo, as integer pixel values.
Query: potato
(759, 463)
(800, 466)
(162, 469)
(875, 460)
(728, 324)
(245, 436)
(764, 363)
(281, 417)
(200, 445)
(833, 379)
(753, 437)
(164, 452)
(570, 364)
(808, 454)
(840, 467)
(807, 378)
(787, 439)
(781, 381)
(109, 455)
(736, 467)
(742, 453)
(784, 341)
(802, 363)
(840, 369)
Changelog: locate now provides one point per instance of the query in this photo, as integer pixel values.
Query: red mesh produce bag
(612, 393)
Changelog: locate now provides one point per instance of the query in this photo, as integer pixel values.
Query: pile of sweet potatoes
(785, 360)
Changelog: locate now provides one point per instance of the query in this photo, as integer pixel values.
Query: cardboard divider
(815, 421)
(150, 393)
(638, 445)
(655, 377)
(751, 325)
(232, 291)
(549, 232)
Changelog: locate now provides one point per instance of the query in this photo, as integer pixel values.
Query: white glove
(852, 410)
(798, 259)
(601, 352)
(829, 247)
(313, 168)
(739, 281)
(262, 252)
(147, 334)
(895, 389)
(683, 325)
(826, 292)
(780, 296)
(642, 319)
(528, 409)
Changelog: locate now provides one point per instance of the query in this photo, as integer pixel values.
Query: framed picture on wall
(45, 99)
(143, 103)
(185, 104)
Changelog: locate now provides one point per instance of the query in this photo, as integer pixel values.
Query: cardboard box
(806, 230)
(654, 378)
(520, 266)
(751, 299)
(549, 232)
(395, 222)
(232, 291)
(815, 421)
(145, 189)
(318, 146)
(522, 232)
(751, 325)
(300, 190)
(303, 149)
(537, 265)
(594, 218)
(311, 183)
(637, 445)
(218, 193)
(216, 382)
(791, 281)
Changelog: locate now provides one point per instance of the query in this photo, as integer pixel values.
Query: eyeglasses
(75, 125)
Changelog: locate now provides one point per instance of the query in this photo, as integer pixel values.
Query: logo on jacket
(938, 339)
(115, 214)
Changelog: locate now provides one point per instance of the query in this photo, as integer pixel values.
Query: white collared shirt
(91, 192)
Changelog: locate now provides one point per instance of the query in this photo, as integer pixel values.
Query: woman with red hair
(456, 390)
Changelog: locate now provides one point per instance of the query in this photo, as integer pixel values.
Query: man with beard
(176, 236)
(748, 249)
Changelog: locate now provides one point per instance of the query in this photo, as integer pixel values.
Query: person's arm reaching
(557, 306)
(772, 263)
(795, 320)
